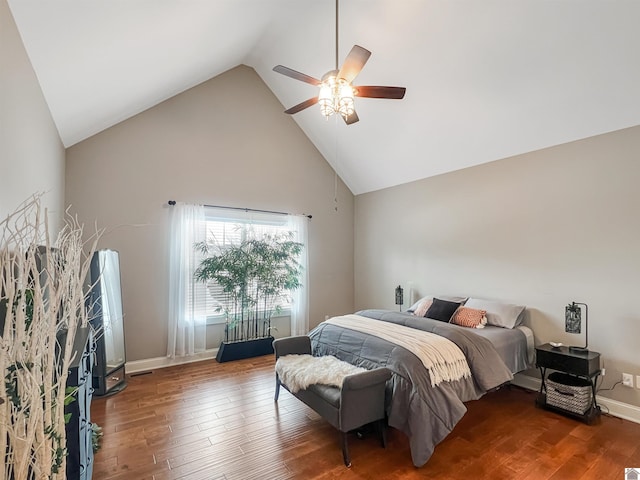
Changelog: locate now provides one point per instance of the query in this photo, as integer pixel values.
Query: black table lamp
(573, 323)
(399, 296)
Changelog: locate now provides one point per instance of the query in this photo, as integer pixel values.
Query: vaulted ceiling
(485, 79)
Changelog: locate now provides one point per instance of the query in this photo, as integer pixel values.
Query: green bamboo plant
(253, 276)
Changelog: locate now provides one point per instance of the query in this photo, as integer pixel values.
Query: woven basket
(568, 392)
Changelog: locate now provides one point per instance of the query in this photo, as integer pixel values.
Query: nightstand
(581, 364)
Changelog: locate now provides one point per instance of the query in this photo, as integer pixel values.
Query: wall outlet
(603, 372)
(627, 380)
(637, 381)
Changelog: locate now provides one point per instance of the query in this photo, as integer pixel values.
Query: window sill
(220, 319)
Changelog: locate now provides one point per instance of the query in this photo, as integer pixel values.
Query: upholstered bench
(360, 401)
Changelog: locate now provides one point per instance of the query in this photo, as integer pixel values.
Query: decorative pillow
(504, 315)
(442, 310)
(449, 298)
(413, 307)
(469, 317)
(422, 307)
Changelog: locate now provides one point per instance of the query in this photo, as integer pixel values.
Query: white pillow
(500, 314)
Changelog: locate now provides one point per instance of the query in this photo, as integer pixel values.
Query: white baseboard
(615, 408)
(163, 362)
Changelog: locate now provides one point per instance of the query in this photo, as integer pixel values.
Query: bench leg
(345, 449)
(275, 399)
(382, 428)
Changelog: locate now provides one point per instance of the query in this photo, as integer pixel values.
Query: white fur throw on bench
(297, 372)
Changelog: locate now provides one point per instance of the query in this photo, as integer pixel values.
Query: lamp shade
(573, 322)
(573, 318)
(325, 100)
(399, 296)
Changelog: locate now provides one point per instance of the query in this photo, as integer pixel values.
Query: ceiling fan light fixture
(325, 98)
(345, 99)
(336, 92)
(336, 96)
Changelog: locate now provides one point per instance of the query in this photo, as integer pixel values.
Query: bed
(425, 412)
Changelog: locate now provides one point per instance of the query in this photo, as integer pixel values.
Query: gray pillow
(506, 315)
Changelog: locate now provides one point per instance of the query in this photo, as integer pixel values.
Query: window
(226, 228)
(192, 304)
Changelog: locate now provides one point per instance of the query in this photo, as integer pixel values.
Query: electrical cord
(598, 390)
(602, 381)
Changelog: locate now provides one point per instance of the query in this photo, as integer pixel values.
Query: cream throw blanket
(441, 357)
(297, 372)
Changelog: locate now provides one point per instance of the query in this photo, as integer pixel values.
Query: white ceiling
(486, 79)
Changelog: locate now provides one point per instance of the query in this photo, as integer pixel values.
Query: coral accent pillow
(422, 307)
(470, 317)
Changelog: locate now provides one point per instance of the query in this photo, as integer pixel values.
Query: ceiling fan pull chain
(335, 191)
(335, 173)
(337, 34)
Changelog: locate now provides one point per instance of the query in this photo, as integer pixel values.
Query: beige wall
(224, 142)
(31, 153)
(541, 229)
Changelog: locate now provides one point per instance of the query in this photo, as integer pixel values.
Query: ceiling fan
(336, 92)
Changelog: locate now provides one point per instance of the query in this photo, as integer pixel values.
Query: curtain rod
(173, 202)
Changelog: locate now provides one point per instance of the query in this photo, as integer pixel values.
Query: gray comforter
(424, 413)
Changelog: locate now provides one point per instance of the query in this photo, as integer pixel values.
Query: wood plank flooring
(211, 421)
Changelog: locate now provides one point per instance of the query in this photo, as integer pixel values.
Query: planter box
(229, 351)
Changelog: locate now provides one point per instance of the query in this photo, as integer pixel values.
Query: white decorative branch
(42, 293)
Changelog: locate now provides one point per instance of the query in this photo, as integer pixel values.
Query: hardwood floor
(211, 421)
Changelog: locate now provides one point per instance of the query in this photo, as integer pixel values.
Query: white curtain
(187, 325)
(300, 297)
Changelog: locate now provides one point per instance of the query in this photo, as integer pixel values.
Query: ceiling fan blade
(296, 75)
(301, 106)
(353, 118)
(354, 62)
(380, 92)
